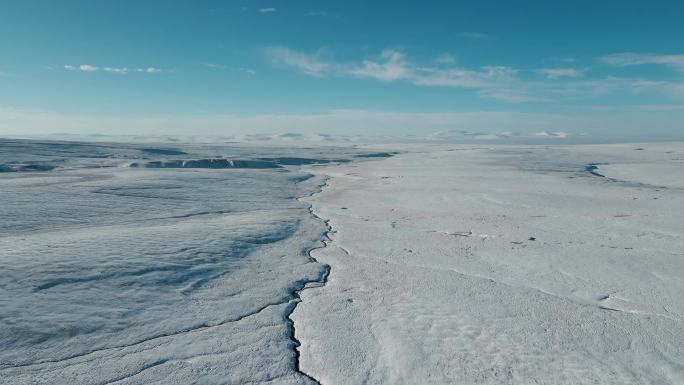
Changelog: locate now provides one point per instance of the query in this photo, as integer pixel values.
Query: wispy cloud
(631, 59)
(214, 66)
(82, 67)
(485, 77)
(557, 73)
(267, 10)
(547, 134)
(393, 67)
(491, 82)
(494, 82)
(149, 70)
(669, 88)
(308, 64)
(112, 70)
(508, 94)
(122, 71)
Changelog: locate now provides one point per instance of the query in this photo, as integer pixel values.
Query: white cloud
(308, 64)
(267, 10)
(112, 70)
(631, 59)
(558, 135)
(510, 95)
(557, 73)
(669, 88)
(493, 82)
(87, 68)
(393, 68)
(149, 70)
(82, 68)
(248, 71)
(450, 77)
(121, 71)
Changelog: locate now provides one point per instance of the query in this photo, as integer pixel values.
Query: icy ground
(183, 264)
(501, 265)
(136, 275)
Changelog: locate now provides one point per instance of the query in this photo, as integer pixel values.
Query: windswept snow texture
(501, 265)
(112, 274)
(442, 264)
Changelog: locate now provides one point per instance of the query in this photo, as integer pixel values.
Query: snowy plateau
(235, 263)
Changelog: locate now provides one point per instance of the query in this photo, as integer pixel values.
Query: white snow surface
(449, 264)
(119, 275)
(501, 265)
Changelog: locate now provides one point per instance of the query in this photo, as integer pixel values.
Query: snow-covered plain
(135, 275)
(501, 265)
(185, 264)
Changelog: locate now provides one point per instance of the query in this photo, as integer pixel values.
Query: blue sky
(602, 68)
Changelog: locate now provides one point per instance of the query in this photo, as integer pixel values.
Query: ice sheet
(499, 265)
(113, 274)
(449, 264)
